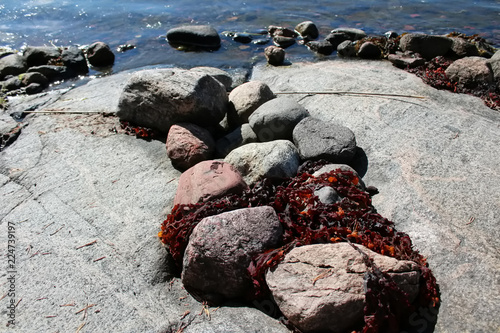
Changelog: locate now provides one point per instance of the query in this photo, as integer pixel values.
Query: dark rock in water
(369, 50)
(428, 46)
(221, 248)
(274, 55)
(307, 29)
(316, 139)
(242, 38)
(208, 180)
(204, 36)
(283, 41)
(336, 38)
(125, 48)
(34, 77)
(237, 138)
(406, 60)
(12, 64)
(462, 48)
(276, 119)
(188, 144)
(34, 88)
(346, 49)
(261, 41)
(470, 71)
(246, 98)
(52, 73)
(40, 55)
(74, 59)
(281, 31)
(322, 47)
(99, 54)
(353, 33)
(162, 97)
(391, 34)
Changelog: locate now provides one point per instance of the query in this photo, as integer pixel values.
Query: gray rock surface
(204, 36)
(495, 64)
(276, 119)
(316, 139)
(327, 195)
(217, 73)
(274, 159)
(322, 47)
(160, 98)
(237, 138)
(246, 98)
(429, 158)
(74, 59)
(188, 144)
(335, 38)
(12, 64)
(463, 48)
(320, 288)
(428, 46)
(470, 71)
(221, 248)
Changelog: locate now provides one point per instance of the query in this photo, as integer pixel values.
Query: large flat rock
(435, 162)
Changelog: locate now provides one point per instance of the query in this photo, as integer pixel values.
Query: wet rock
(261, 41)
(40, 55)
(495, 65)
(428, 46)
(322, 47)
(99, 54)
(407, 59)
(462, 48)
(34, 88)
(221, 248)
(242, 38)
(320, 288)
(274, 159)
(51, 72)
(237, 138)
(335, 38)
(327, 195)
(204, 36)
(470, 71)
(12, 64)
(353, 33)
(317, 139)
(281, 31)
(162, 97)
(74, 59)
(369, 50)
(283, 41)
(188, 144)
(208, 180)
(276, 119)
(274, 55)
(34, 77)
(391, 34)
(217, 73)
(307, 29)
(246, 98)
(346, 49)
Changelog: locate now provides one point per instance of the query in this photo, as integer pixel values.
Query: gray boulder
(274, 159)
(34, 77)
(307, 30)
(320, 288)
(246, 98)
(40, 55)
(188, 144)
(221, 248)
(99, 54)
(217, 73)
(352, 33)
(495, 64)
(74, 59)
(470, 71)
(429, 46)
(316, 139)
(276, 119)
(161, 97)
(335, 38)
(52, 72)
(204, 36)
(237, 138)
(12, 64)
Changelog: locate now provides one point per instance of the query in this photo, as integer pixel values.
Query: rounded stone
(307, 29)
(369, 50)
(274, 55)
(188, 144)
(247, 97)
(204, 36)
(99, 54)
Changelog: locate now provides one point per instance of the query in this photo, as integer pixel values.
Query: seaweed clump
(306, 220)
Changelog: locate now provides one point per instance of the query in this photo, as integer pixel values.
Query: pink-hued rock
(470, 71)
(221, 248)
(320, 288)
(189, 144)
(208, 180)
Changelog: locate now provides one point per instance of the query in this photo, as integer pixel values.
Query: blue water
(144, 24)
